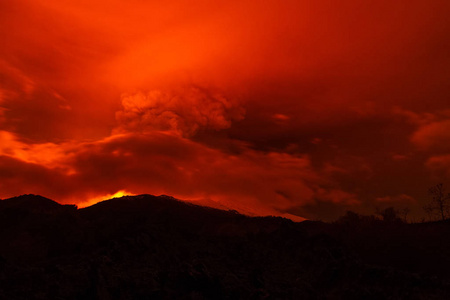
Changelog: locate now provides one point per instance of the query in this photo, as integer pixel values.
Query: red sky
(305, 108)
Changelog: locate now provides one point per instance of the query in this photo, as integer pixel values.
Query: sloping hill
(31, 203)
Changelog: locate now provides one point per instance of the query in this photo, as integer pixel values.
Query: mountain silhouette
(32, 203)
(157, 247)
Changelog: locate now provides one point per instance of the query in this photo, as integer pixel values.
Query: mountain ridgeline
(149, 247)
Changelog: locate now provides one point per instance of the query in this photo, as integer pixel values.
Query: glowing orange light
(97, 199)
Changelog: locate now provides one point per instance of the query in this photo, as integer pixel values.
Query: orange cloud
(161, 163)
(439, 165)
(435, 135)
(45, 154)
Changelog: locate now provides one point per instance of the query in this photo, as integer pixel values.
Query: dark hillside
(422, 248)
(147, 247)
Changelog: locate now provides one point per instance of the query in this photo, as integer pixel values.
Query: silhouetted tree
(440, 202)
(404, 213)
(350, 217)
(389, 214)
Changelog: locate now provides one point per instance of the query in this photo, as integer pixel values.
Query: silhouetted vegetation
(439, 205)
(387, 215)
(147, 247)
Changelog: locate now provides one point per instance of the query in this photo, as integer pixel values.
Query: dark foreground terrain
(147, 247)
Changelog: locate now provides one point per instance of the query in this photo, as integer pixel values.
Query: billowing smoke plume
(183, 110)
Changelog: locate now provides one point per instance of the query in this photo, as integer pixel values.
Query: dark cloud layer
(268, 107)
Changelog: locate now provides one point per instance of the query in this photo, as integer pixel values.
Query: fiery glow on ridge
(97, 199)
